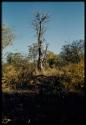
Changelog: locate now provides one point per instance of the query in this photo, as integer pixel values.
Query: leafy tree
(14, 58)
(7, 36)
(72, 53)
(17, 59)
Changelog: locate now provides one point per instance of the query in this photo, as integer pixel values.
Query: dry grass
(52, 72)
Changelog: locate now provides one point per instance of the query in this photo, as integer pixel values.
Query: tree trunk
(40, 66)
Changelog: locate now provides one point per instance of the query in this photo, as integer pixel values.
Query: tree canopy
(7, 36)
(72, 52)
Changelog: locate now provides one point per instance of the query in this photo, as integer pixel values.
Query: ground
(37, 109)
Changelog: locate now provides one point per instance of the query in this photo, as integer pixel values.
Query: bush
(52, 72)
(75, 72)
(16, 77)
(9, 76)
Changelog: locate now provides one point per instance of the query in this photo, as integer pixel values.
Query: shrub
(76, 74)
(9, 76)
(16, 77)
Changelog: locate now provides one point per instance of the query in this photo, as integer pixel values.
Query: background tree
(73, 52)
(38, 23)
(14, 58)
(7, 36)
(17, 59)
(33, 53)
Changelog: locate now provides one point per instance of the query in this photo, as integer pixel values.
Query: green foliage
(17, 59)
(71, 53)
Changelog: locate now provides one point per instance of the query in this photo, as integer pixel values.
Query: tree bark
(40, 66)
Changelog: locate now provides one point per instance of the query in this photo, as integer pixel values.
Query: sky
(66, 23)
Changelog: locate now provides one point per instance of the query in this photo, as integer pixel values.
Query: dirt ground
(38, 109)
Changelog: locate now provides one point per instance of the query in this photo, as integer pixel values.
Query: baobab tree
(39, 26)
